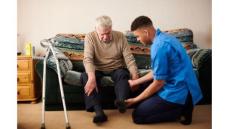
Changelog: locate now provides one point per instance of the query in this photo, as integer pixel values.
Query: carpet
(29, 117)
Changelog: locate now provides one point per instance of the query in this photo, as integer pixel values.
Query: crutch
(50, 48)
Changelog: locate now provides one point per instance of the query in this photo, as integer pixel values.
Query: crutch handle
(47, 42)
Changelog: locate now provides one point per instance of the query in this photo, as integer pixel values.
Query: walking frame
(48, 44)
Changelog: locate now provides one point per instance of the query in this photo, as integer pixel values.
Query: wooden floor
(29, 117)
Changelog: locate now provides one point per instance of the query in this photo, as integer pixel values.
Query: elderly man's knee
(121, 74)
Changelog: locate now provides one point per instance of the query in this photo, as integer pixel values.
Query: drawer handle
(17, 79)
(18, 92)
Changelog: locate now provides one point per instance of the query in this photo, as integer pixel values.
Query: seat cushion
(73, 78)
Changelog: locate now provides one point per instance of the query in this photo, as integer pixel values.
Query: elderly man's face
(104, 34)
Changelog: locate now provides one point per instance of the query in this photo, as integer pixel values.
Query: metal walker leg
(44, 90)
(61, 88)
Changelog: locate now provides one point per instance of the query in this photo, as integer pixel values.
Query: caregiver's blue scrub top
(171, 63)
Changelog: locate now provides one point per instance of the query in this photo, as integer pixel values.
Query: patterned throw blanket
(72, 45)
(64, 63)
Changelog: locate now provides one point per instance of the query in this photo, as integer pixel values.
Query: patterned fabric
(131, 37)
(64, 63)
(78, 36)
(65, 39)
(74, 55)
(185, 36)
(68, 42)
(189, 45)
(139, 49)
(72, 45)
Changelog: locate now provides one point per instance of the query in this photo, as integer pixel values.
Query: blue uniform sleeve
(160, 63)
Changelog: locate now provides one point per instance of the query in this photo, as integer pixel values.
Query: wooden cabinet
(28, 84)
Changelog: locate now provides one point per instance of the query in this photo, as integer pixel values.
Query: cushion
(185, 36)
(143, 72)
(200, 57)
(73, 78)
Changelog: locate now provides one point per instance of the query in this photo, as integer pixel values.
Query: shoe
(186, 118)
(100, 119)
(121, 106)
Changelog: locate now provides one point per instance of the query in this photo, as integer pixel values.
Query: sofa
(72, 46)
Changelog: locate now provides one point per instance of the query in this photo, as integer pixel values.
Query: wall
(40, 19)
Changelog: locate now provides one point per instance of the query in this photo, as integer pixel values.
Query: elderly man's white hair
(104, 22)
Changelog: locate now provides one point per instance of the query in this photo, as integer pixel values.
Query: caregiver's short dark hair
(141, 21)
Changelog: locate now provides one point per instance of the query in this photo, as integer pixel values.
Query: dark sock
(121, 105)
(100, 115)
(98, 110)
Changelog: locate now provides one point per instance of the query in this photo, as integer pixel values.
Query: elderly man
(171, 89)
(107, 52)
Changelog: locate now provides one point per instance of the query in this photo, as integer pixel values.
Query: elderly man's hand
(90, 86)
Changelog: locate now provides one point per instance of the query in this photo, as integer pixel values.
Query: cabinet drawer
(23, 65)
(23, 92)
(24, 77)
